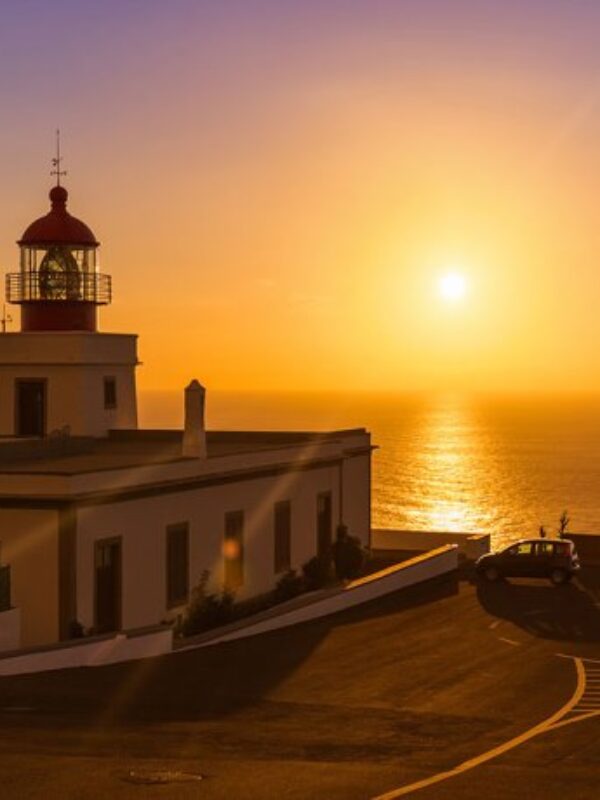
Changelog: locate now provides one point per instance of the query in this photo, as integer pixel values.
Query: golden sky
(278, 187)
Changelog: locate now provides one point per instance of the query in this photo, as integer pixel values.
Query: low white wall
(470, 545)
(10, 629)
(416, 570)
(90, 653)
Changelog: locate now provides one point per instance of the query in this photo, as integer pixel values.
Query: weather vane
(56, 161)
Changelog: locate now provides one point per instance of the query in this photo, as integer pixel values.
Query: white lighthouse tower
(59, 374)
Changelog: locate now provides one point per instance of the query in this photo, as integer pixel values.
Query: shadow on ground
(195, 684)
(562, 613)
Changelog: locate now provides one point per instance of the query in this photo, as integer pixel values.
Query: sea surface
(498, 464)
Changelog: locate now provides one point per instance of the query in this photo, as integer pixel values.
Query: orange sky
(278, 190)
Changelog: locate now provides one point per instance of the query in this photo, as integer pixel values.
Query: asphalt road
(352, 707)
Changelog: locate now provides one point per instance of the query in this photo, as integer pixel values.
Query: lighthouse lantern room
(59, 373)
(59, 285)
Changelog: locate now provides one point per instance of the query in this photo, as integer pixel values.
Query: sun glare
(452, 286)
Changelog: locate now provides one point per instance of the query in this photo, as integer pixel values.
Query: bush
(348, 555)
(318, 572)
(205, 610)
(75, 630)
(289, 585)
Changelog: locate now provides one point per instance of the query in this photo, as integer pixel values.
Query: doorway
(107, 560)
(30, 407)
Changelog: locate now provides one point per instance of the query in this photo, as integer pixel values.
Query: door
(544, 558)
(107, 559)
(324, 521)
(30, 407)
(517, 561)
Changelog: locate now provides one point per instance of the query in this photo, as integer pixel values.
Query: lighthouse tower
(59, 374)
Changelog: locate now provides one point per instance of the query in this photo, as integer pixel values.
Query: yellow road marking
(543, 727)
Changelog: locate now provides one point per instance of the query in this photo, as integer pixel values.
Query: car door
(544, 556)
(509, 561)
(519, 560)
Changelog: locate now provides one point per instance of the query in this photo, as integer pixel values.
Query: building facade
(110, 527)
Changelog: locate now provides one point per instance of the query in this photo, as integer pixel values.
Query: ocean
(497, 464)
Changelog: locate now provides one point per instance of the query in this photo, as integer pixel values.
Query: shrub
(289, 585)
(563, 524)
(318, 572)
(348, 555)
(75, 630)
(205, 610)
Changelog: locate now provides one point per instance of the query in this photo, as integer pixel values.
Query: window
(323, 523)
(544, 549)
(283, 536)
(177, 564)
(523, 549)
(233, 550)
(110, 392)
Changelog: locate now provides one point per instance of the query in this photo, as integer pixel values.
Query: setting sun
(452, 286)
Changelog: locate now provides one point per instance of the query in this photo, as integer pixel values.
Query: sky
(279, 186)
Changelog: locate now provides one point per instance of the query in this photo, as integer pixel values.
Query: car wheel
(559, 576)
(491, 573)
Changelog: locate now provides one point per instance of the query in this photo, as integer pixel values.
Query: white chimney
(194, 433)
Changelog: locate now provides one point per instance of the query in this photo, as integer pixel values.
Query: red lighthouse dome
(58, 226)
(59, 286)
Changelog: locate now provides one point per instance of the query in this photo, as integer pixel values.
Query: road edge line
(541, 727)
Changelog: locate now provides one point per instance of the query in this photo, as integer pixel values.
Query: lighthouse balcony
(71, 285)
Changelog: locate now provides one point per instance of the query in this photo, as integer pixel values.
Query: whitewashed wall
(74, 366)
(29, 543)
(356, 496)
(142, 525)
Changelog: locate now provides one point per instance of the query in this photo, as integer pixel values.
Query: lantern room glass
(59, 272)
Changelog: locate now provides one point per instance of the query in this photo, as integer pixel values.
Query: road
(354, 707)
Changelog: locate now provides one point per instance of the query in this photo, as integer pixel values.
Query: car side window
(544, 549)
(524, 549)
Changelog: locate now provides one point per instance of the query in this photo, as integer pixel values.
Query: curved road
(359, 706)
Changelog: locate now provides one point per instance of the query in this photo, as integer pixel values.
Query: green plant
(348, 555)
(289, 585)
(205, 610)
(563, 524)
(318, 572)
(75, 630)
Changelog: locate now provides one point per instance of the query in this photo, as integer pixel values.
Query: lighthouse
(59, 375)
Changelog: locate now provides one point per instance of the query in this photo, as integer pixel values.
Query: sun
(452, 286)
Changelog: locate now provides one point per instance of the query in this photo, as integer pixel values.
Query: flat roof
(123, 449)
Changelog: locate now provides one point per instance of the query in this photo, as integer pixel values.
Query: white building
(112, 526)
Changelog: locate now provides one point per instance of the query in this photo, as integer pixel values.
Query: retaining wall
(10, 629)
(89, 652)
(588, 547)
(470, 545)
(438, 562)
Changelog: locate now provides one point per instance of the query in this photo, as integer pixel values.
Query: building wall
(29, 543)
(74, 398)
(142, 525)
(357, 496)
(74, 366)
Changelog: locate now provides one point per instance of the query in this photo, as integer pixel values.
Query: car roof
(538, 539)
